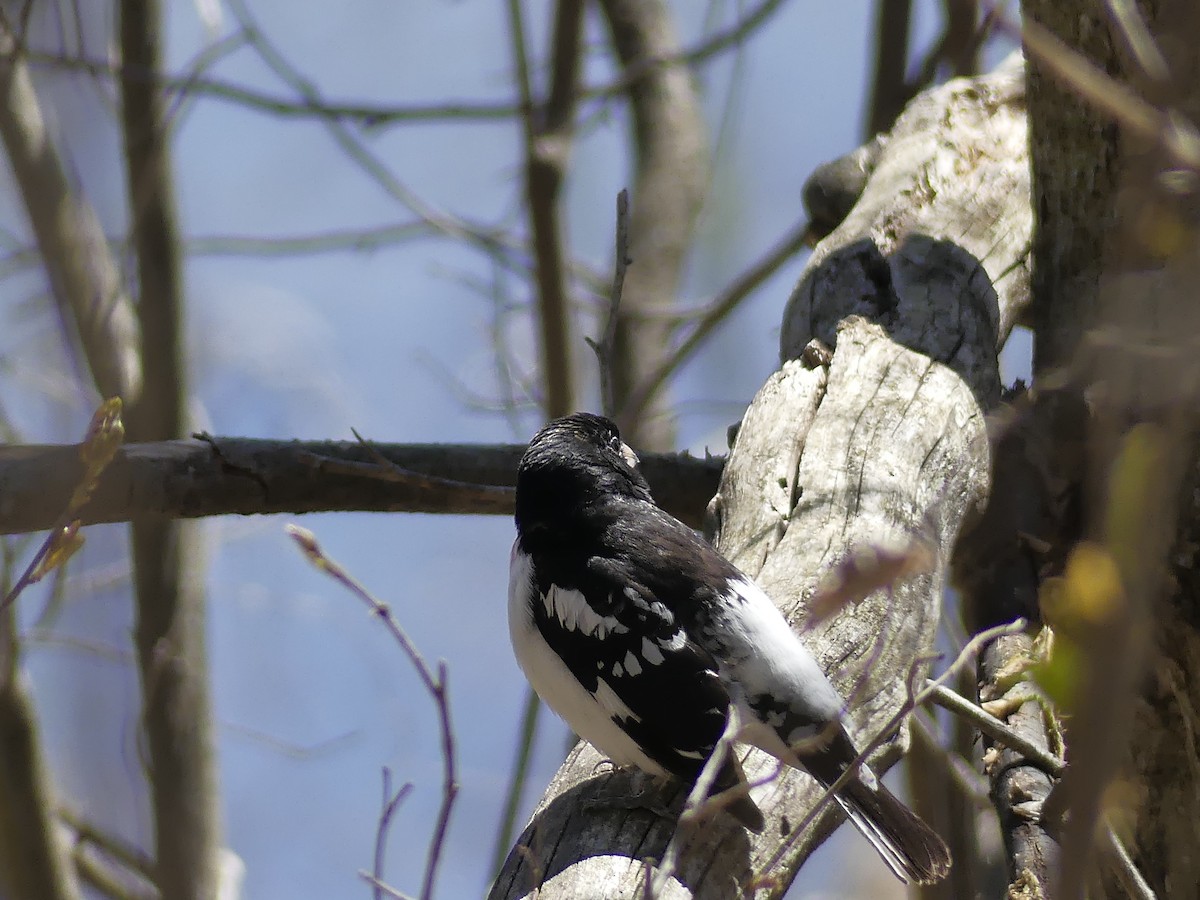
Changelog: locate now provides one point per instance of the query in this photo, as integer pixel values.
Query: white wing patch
(650, 652)
(608, 698)
(573, 611)
(632, 666)
(590, 715)
(763, 655)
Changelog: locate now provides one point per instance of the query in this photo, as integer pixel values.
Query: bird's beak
(629, 456)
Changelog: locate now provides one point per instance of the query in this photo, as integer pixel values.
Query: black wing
(616, 635)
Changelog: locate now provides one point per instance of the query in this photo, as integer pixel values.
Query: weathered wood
(245, 476)
(888, 442)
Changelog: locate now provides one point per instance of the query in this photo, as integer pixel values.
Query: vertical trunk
(167, 556)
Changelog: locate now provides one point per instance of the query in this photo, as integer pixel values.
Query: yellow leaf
(1135, 476)
(105, 435)
(63, 545)
(1060, 674)
(1088, 593)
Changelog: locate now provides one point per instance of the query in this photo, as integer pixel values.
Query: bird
(645, 640)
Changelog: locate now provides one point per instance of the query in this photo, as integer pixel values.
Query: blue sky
(311, 696)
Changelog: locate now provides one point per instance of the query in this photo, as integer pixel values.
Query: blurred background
(315, 306)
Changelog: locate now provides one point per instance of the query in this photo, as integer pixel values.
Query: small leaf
(865, 570)
(1134, 479)
(105, 435)
(1061, 674)
(63, 545)
(1088, 593)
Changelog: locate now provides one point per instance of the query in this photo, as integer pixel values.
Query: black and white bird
(643, 637)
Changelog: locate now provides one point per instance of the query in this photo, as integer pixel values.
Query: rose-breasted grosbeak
(641, 636)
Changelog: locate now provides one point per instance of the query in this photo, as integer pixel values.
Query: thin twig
(103, 439)
(1131, 30)
(90, 298)
(1173, 133)
(1127, 870)
(364, 114)
(1000, 732)
(547, 128)
(122, 851)
(391, 802)
(435, 685)
(693, 807)
(375, 115)
(355, 149)
(715, 313)
(526, 737)
(382, 887)
(994, 728)
(605, 348)
(735, 34)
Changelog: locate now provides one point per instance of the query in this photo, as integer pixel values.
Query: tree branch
(242, 476)
(548, 129)
(671, 178)
(34, 862)
(84, 279)
(890, 90)
(169, 632)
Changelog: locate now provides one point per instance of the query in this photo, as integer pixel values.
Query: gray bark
(917, 288)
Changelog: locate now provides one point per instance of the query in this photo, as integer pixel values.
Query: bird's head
(572, 464)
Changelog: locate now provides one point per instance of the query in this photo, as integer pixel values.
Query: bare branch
(34, 861)
(1001, 732)
(1114, 99)
(365, 114)
(713, 315)
(84, 278)
(114, 867)
(994, 728)
(889, 86)
(670, 181)
(1131, 30)
(391, 803)
(39, 866)
(241, 476)
(697, 798)
(374, 116)
(605, 348)
(548, 128)
(435, 685)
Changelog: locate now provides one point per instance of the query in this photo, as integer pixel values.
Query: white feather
(763, 655)
(589, 716)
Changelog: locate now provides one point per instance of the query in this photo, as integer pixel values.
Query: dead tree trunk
(882, 439)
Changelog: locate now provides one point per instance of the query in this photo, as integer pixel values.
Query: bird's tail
(911, 849)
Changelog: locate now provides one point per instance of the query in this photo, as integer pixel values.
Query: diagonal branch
(84, 279)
